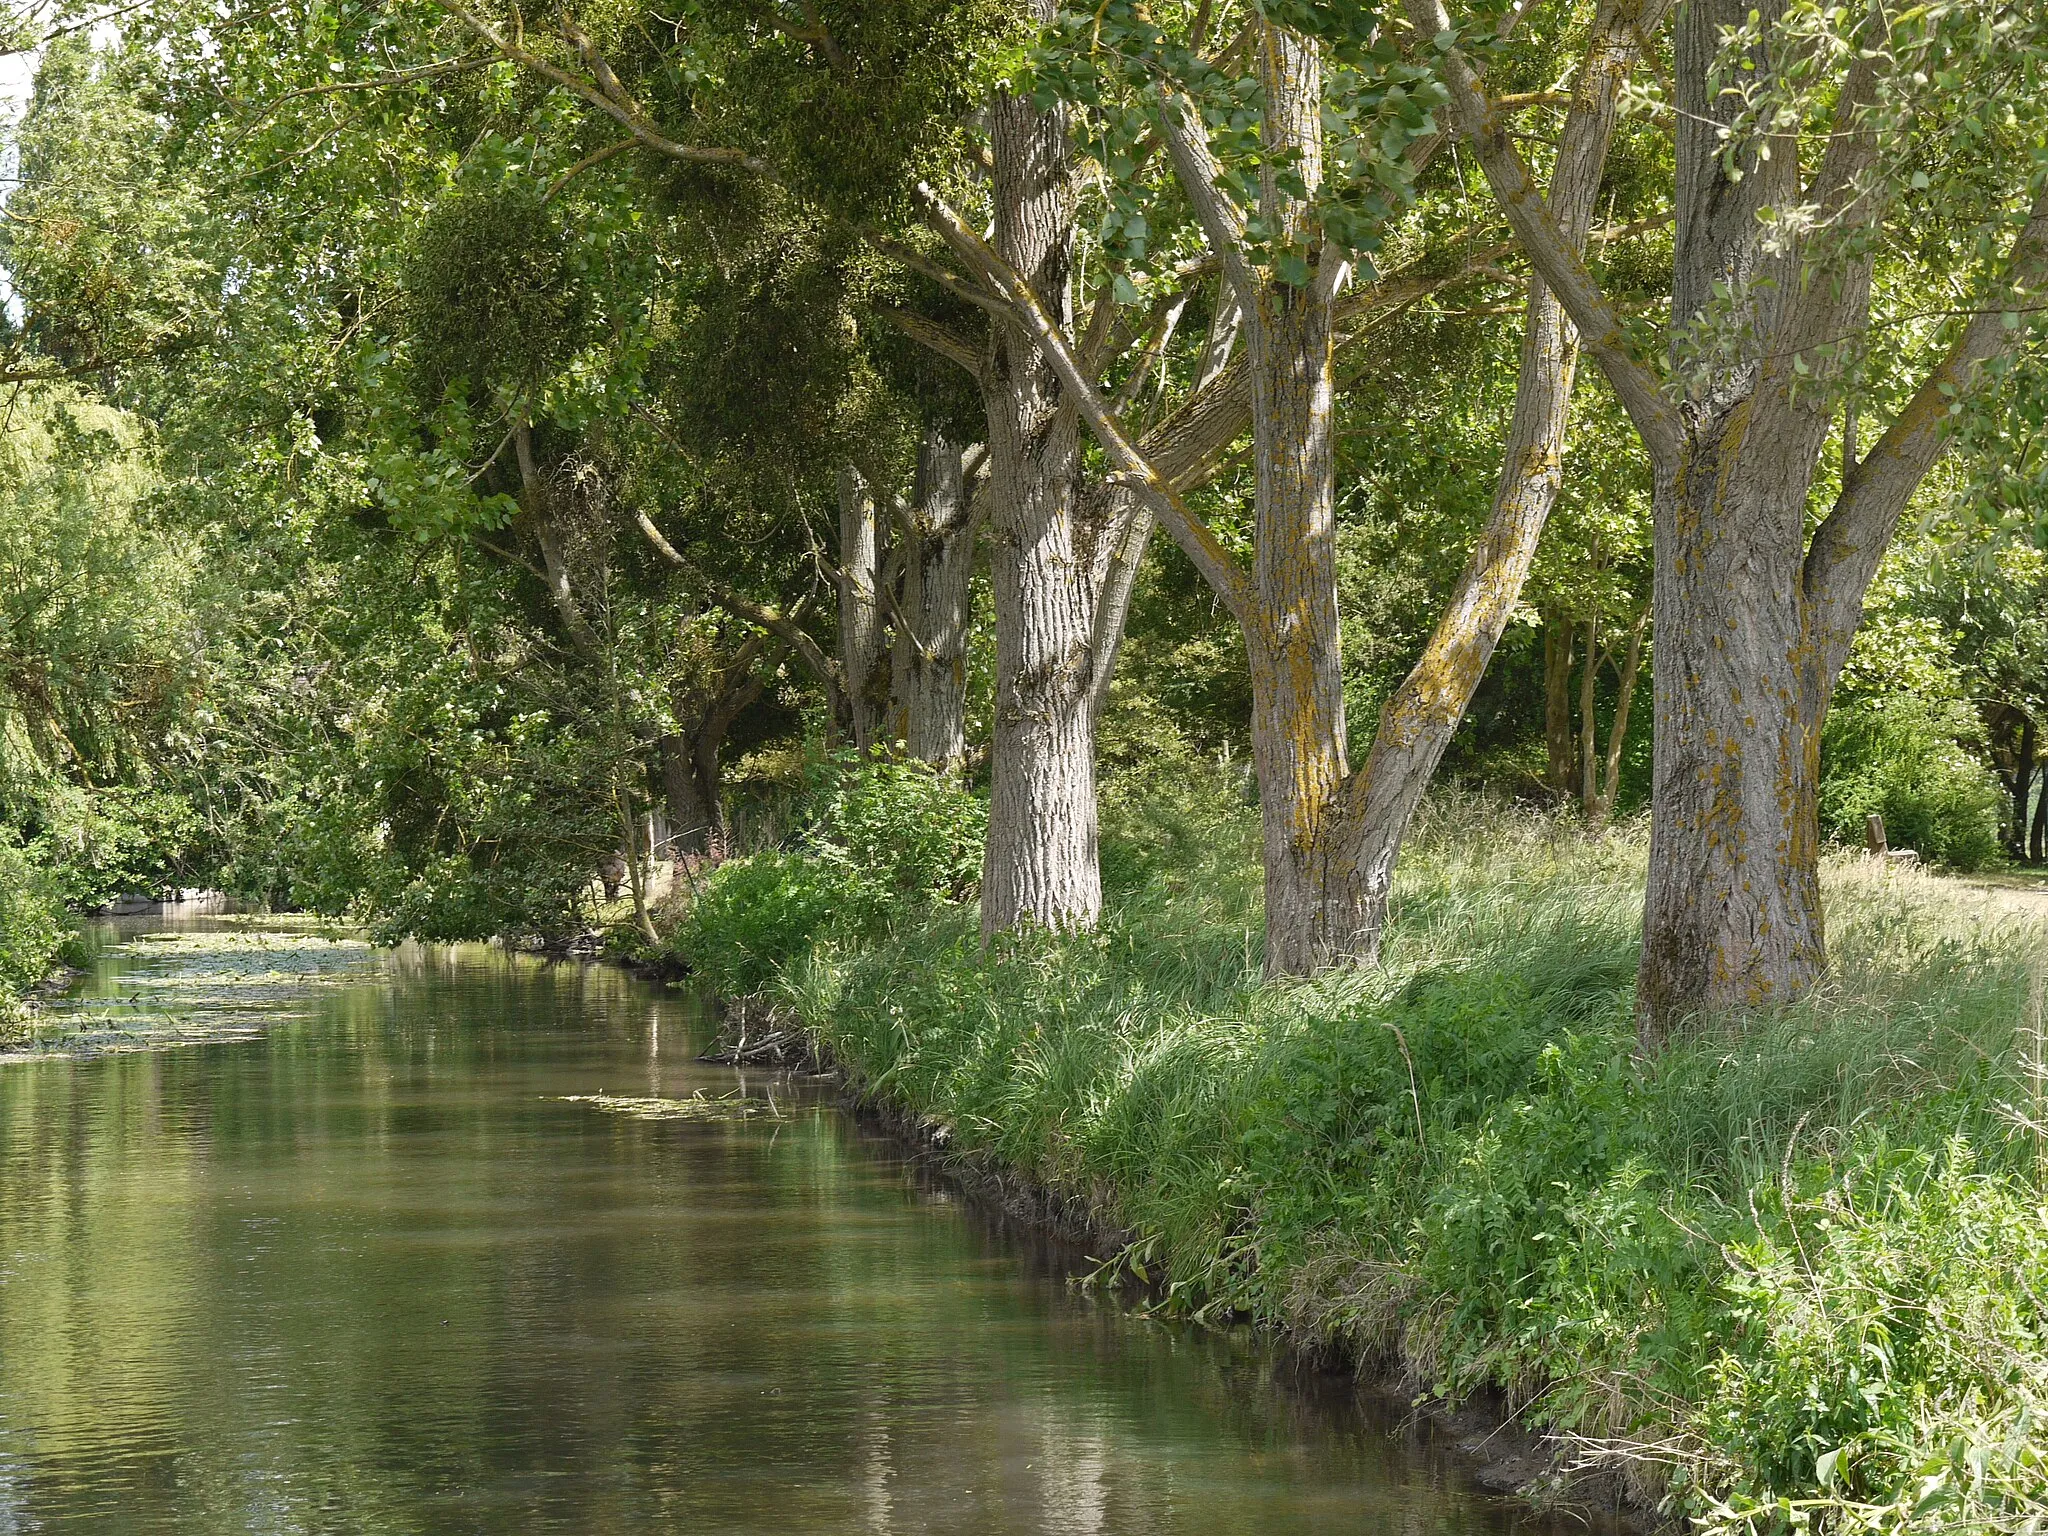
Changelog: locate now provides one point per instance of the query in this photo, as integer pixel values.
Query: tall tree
(1808, 141)
(1284, 229)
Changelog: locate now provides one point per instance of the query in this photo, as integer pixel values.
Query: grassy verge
(1791, 1275)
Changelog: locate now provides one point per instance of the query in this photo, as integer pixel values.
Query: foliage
(881, 839)
(753, 912)
(1899, 757)
(910, 829)
(31, 923)
(1717, 1268)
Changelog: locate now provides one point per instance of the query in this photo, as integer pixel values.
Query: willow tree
(1285, 213)
(1825, 158)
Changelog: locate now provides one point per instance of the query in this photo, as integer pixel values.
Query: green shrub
(31, 920)
(456, 898)
(901, 825)
(753, 914)
(102, 844)
(880, 838)
(1898, 757)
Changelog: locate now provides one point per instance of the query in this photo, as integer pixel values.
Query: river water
(384, 1268)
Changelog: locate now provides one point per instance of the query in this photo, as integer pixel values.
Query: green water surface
(372, 1271)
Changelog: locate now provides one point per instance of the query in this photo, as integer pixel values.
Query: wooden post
(1873, 832)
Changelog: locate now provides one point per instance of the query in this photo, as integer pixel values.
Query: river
(402, 1263)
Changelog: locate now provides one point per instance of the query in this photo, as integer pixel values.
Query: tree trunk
(930, 658)
(1732, 915)
(1316, 905)
(1601, 812)
(1041, 862)
(692, 814)
(2022, 782)
(692, 776)
(1316, 911)
(1559, 646)
(2037, 843)
(860, 617)
(1589, 730)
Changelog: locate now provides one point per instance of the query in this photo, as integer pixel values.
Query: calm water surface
(372, 1273)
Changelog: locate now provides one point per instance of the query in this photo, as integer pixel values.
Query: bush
(753, 913)
(903, 826)
(456, 898)
(1899, 758)
(31, 921)
(881, 837)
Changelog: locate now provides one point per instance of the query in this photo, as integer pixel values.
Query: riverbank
(1795, 1269)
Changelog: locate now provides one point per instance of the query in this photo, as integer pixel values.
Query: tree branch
(614, 102)
(1850, 543)
(1221, 219)
(1194, 536)
(1552, 255)
(934, 337)
(594, 158)
(432, 71)
(783, 626)
(954, 284)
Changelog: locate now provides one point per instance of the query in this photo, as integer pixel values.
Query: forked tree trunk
(1753, 621)
(1041, 864)
(1359, 845)
(929, 685)
(1732, 914)
(861, 552)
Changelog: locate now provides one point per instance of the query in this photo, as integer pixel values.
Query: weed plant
(1790, 1274)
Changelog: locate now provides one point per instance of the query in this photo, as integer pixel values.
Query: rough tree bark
(862, 551)
(1753, 620)
(1041, 863)
(929, 663)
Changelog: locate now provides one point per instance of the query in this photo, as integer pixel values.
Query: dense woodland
(439, 438)
(959, 512)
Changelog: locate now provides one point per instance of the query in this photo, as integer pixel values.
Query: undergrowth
(1792, 1274)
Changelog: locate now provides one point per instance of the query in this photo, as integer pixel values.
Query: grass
(1792, 1274)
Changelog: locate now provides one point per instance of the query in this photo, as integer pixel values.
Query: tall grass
(1791, 1271)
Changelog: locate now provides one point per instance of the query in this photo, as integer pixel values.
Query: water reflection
(370, 1274)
